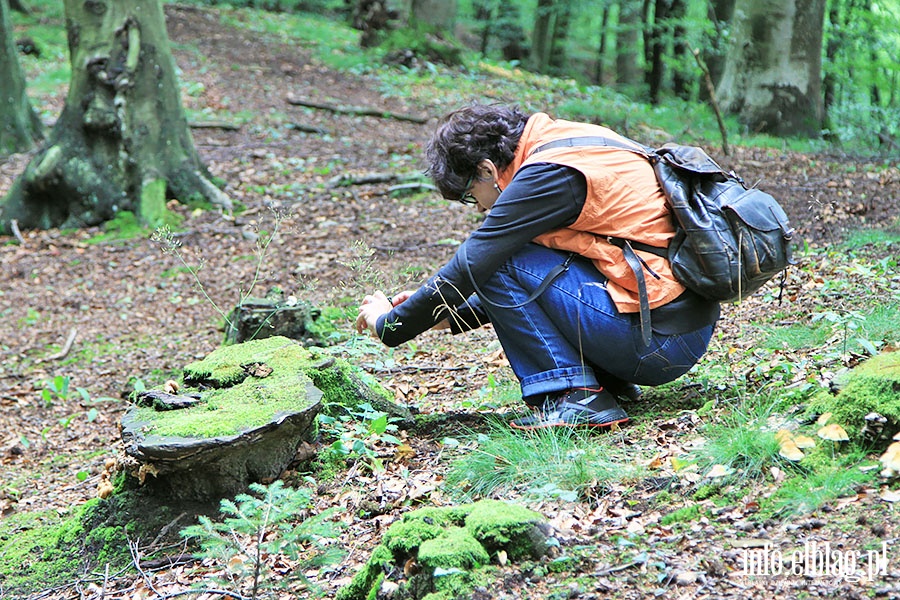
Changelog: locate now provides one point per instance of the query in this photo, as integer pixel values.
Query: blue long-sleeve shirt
(540, 198)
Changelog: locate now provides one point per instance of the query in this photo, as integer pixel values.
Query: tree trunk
(656, 43)
(557, 62)
(720, 13)
(440, 14)
(627, 40)
(599, 74)
(484, 16)
(21, 128)
(835, 37)
(772, 76)
(681, 82)
(122, 141)
(541, 37)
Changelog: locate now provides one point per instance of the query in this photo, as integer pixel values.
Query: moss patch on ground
(873, 386)
(43, 550)
(451, 546)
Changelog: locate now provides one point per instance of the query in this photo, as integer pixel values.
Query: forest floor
(105, 313)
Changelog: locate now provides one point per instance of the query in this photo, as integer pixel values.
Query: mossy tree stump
(449, 545)
(238, 417)
(274, 315)
(872, 387)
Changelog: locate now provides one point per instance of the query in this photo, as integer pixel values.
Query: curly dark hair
(467, 136)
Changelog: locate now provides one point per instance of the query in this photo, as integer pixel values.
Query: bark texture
(122, 141)
(21, 128)
(772, 77)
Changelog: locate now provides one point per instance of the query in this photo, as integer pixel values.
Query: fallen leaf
(502, 558)
(718, 471)
(890, 495)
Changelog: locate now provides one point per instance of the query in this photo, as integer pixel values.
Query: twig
(214, 125)
(617, 568)
(65, 350)
(711, 89)
(307, 128)
(356, 110)
(14, 225)
(136, 559)
(165, 530)
(347, 180)
(105, 582)
(412, 186)
(204, 591)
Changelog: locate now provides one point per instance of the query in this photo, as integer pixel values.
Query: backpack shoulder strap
(599, 140)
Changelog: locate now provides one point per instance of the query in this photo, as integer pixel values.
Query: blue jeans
(572, 335)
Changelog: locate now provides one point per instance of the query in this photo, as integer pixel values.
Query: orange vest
(623, 200)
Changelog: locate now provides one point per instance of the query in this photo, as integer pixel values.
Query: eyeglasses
(467, 197)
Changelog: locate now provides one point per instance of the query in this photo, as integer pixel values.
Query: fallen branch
(214, 125)
(14, 226)
(307, 128)
(65, 350)
(357, 111)
(348, 180)
(416, 185)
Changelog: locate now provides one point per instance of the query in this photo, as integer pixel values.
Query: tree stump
(238, 417)
(251, 406)
(260, 318)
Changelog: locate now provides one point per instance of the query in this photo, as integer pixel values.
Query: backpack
(730, 239)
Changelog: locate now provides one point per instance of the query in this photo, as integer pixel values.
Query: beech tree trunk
(772, 77)
(440, 14)
(628, 72)
(21, 128)
(122, 141)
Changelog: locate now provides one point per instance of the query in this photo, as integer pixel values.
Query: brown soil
(135, 313)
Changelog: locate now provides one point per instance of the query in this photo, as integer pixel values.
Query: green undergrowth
(44, 550)
(452, 547)
(555, 462)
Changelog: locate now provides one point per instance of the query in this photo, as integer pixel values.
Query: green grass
(803, 495)
(741, 438)
(562, 463)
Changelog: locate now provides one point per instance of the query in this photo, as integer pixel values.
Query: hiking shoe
(624, 390)
(575, 408)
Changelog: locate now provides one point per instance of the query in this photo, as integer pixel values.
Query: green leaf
(82, 475)
(379, 425)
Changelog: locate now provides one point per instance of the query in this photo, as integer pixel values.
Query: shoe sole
(606, 425)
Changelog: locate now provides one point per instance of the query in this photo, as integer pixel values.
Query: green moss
(346, 386)
(42, 550)
(684, 514)
(153, 202)
(252, 383)
(455, 548)
(369, 578)
(873, 386)
(500, 525)
(446, 543)
(707, 491)
(405, 537)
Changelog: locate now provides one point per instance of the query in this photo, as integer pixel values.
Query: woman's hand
(372, 307)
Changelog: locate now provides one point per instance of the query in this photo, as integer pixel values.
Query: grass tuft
(556, 462)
